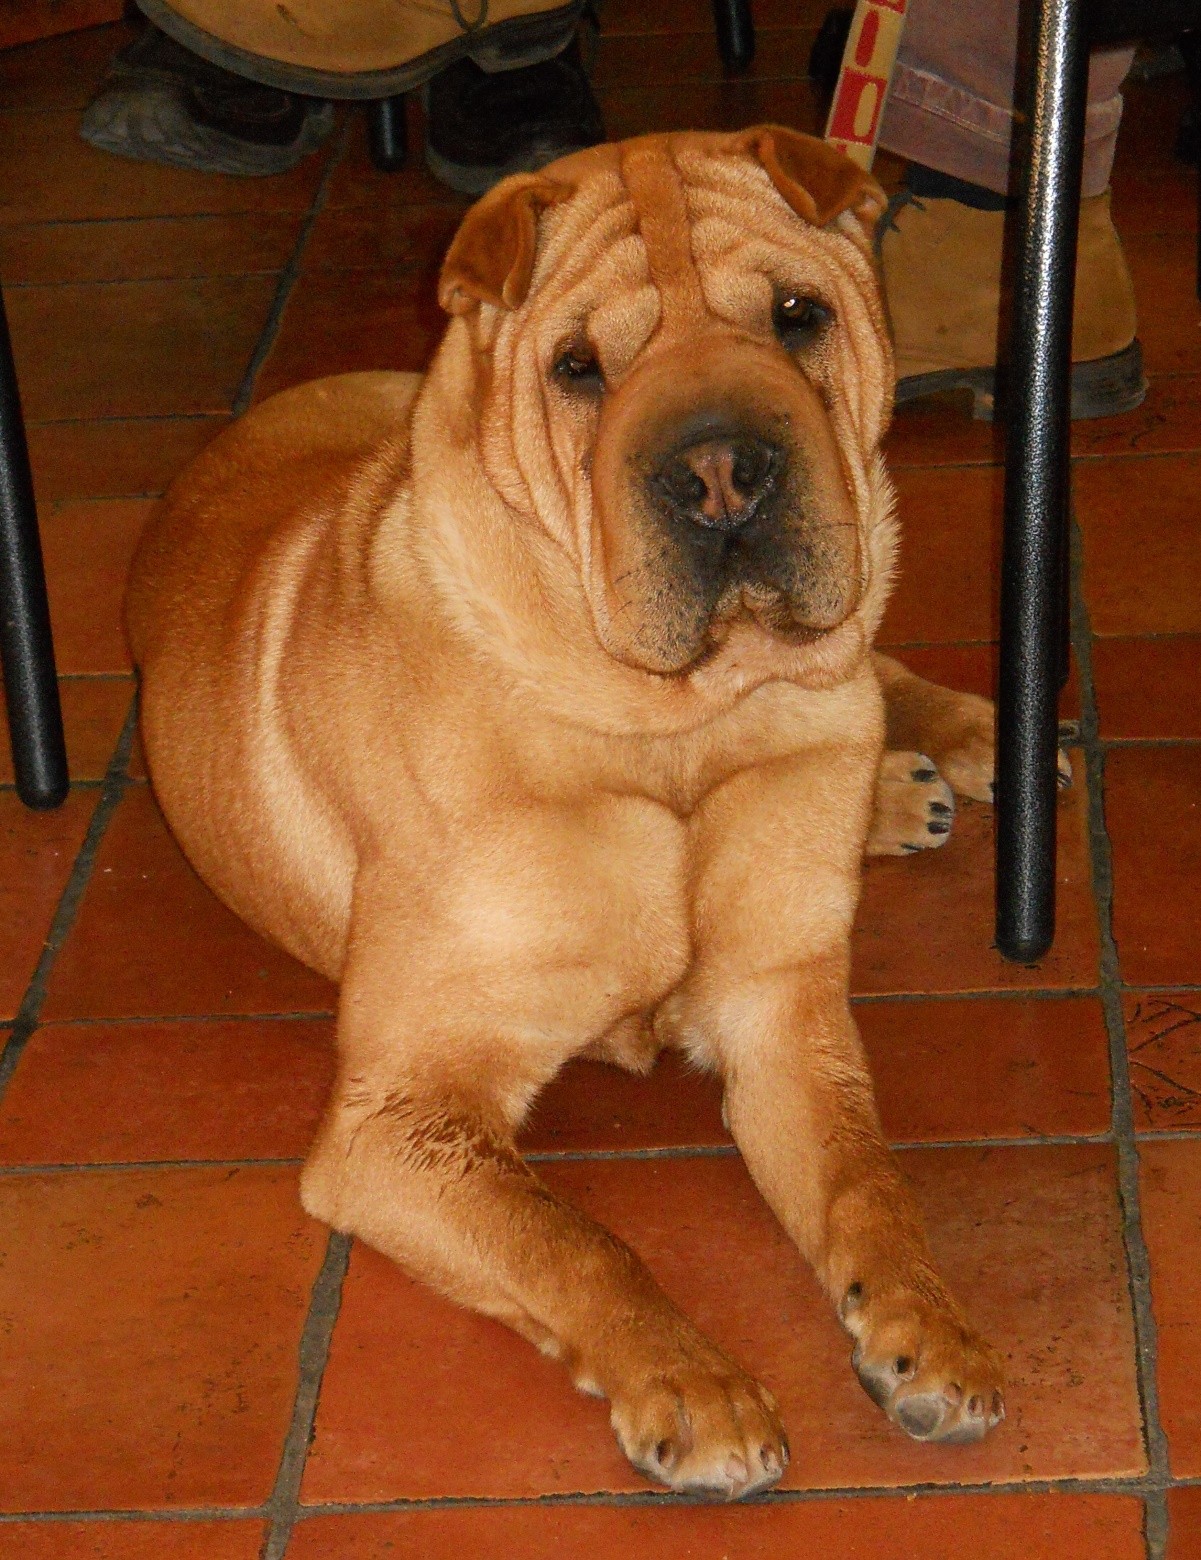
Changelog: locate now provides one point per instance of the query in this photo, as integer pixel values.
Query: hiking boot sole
(521, 40)
(1102, 387)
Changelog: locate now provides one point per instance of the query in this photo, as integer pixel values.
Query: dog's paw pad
(931, 1374)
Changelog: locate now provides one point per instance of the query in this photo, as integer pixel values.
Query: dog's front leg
(768, 1003)
(416, 1157)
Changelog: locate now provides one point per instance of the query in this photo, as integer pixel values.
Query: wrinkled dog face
(690, 376)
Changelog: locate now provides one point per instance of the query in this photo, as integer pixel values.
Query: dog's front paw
(705, 1429)
(924, 1366)
(914, 807)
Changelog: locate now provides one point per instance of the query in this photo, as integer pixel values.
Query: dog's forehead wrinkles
(575, 233)
(657, 191)
(609, 301)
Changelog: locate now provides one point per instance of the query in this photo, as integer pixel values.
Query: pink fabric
(950, 105)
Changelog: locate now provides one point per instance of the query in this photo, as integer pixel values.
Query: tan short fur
(442, 694)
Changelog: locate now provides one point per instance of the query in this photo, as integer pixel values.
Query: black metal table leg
(1037, 481)
(735, 32)
(387, 135)
(35, 722)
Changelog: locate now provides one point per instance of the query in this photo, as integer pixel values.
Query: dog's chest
(574, 916)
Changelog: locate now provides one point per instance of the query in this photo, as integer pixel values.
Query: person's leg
(481, 126)
(950, 105)
(239, 90)
(950, 111)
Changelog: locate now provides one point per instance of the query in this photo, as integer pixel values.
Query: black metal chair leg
(387, 134)
(1064, 657)
(735, 32)
(1189, 45)
(1037, 481)
(35, 722)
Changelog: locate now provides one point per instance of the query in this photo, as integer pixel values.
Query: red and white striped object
(867, 63)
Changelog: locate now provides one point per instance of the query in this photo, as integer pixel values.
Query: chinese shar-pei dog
(533, 701)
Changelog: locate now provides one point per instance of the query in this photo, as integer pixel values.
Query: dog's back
(209, 610)
(272, 462)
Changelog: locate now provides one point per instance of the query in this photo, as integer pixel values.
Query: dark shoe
(942, 264)
(364, 49)
(480, 128)
(161, 103)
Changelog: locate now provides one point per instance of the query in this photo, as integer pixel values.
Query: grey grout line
(113, 789)
(575, 1156)
(181, 1514)
(1139, 1487)
(1121, 744)
(452, 202)
(326, 1300)
(288, 278)
(982, 463)
(1042, 1140)
(650, 1496)
(1137, 1258)
(396, 268)
(988, 994)
(7, 786)
(569, 1156)
(137, 281)
(1129, 457)
(996, 461)
(127, 1166)
(1152, 990)
(104, 421)
(302, 1015)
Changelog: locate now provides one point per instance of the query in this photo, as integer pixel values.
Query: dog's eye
(578, 368)
(798, 320)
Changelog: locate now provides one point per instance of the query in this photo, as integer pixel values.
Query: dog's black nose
(719, 482)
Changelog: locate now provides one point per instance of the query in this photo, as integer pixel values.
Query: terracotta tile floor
(191, 1367)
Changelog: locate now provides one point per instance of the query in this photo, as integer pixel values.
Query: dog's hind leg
(955, 730)
(632, 1045)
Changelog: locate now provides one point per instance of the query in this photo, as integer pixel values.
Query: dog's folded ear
(491, 257)
(818, 182)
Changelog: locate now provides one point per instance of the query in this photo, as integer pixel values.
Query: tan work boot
(942, 278)
(364, 48)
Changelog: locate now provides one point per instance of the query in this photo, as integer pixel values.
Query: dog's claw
(914, 806)
(707, 1431)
